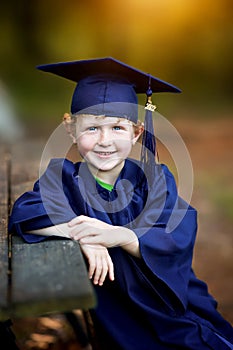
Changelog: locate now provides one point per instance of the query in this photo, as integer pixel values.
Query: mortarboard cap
(106, 86)
(103, 82)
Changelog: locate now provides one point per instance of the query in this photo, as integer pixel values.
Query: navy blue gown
(156, 301)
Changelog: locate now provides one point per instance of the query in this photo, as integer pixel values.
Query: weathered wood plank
(3, 230)
(49, 277)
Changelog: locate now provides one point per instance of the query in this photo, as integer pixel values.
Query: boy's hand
(93, 231)
(100, 262)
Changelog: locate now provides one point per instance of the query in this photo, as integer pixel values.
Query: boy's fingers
(111, 270)
(81, 232)
(98, 270)
(79, 219)
(100, 264)
(92, 267)
(103, 273)
(76, 220)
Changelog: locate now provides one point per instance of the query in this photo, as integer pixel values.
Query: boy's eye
(117, 127)
(92, 128)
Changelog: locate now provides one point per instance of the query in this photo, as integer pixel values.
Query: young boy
(135, 231)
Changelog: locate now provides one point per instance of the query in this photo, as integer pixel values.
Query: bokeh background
(186, 42)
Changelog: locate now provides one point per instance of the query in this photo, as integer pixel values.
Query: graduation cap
(106, 86)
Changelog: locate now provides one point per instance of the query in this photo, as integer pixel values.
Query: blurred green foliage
(188, 43)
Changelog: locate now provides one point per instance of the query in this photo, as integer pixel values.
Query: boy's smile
(105, 143)
(104, 154)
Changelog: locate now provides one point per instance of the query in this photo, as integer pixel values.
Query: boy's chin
(109, 166)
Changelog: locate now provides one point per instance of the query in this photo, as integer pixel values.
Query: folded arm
(88, 230)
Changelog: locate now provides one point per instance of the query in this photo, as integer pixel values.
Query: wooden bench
(42, 278)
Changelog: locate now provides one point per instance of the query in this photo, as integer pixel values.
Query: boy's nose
(105, 138)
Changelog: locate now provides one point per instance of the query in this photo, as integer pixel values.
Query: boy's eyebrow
(114, 122)
(121, 121)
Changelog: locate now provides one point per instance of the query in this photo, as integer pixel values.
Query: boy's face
(105, 142)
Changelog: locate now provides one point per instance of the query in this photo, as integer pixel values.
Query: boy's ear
(69, 126)
(138, 130)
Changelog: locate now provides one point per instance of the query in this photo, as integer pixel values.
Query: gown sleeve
(46, 205)
(166, 239)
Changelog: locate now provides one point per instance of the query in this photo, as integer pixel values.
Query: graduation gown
(156, 301)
